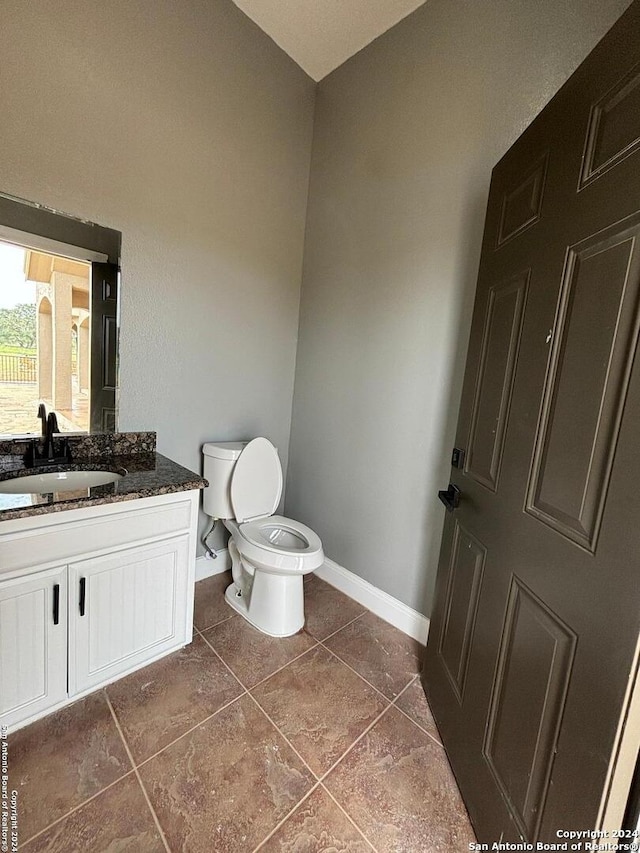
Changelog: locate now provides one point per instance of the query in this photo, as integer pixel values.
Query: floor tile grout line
(309, 768)
(75, 808)
(192, 729)
(347, 815)
(356, 741)
(286, 817)
(317, 640)
(222, 660)
(215, 624)
(137, 773)
(283, 735)
(377, 689)
(415, 722)
(408, 685)
(342, 627)
(404, 689)
(316, 643)
(389, 704)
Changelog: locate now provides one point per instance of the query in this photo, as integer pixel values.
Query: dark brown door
(104, 346)
(538, 594)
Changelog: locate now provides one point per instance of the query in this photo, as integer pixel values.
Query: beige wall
(182, 125)
(406, 134)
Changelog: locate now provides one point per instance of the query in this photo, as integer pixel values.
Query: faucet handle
(64, 451)
(52, 423)
(31, 454)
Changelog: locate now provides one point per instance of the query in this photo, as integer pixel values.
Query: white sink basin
(57, 481)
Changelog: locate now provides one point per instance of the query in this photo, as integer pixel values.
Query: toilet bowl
(270, 553)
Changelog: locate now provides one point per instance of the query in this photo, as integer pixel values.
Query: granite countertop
(145, 473)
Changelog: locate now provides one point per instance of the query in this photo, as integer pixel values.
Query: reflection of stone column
(45, 350)
(61, 285)
(83, 355)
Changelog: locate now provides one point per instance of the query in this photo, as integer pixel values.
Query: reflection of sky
(17, 501)
(13, 288)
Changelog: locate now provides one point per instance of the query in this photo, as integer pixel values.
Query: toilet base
(274, 605)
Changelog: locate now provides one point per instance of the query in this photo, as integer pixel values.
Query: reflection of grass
(8, 349)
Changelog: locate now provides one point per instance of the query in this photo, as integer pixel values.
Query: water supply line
(213, 554)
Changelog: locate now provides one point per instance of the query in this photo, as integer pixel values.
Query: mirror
(59, 284)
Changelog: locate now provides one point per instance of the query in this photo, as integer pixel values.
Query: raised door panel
(614, 128)
(528, 699)
(500, 342)
(126, 609)
(594, 347)
(522, 203)
(463, 592)
(33, 644)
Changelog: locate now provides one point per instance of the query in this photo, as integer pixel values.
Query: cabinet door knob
(83, 593)
(56, 603)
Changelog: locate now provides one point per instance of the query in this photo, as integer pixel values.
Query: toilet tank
(219, 461)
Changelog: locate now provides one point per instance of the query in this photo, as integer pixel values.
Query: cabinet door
(33, 644)
(125, 609)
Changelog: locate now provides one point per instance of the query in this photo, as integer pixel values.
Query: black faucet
(52, 427)
(46, 454)
(42, 414)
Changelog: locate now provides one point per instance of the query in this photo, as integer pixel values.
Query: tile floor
(240, 742)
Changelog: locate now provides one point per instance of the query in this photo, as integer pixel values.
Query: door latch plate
(457, 457)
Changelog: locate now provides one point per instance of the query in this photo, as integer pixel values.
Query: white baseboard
(207, 568)
(385, 606)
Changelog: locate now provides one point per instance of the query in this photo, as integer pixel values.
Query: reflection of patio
(19, 405)
(62, 309)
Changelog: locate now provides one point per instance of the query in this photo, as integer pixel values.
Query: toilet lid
(256, 485)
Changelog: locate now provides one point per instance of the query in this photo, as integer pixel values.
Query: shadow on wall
(468, 277)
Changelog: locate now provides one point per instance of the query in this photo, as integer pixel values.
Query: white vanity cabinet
(33, 643)
(127, 606)
(89, 595)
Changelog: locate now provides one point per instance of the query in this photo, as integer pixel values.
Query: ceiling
(321, 34)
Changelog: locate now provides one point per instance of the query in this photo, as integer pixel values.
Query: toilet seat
(264, 534)
(253, 541)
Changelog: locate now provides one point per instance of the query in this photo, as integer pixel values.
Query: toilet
(270, 554)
